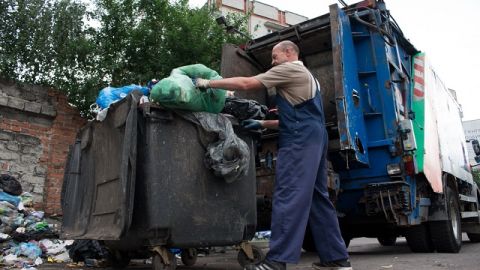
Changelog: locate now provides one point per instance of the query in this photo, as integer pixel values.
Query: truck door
(351, 124)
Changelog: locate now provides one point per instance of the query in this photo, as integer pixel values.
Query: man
(300, 194)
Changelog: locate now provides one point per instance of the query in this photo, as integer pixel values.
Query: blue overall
(301, 193)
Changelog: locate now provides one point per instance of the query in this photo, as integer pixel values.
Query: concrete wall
(293, 18)
(37, 125)
(263, 18)
(238, 4)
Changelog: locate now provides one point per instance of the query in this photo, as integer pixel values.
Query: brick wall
(37, 125)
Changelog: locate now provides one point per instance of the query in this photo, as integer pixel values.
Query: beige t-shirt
(292, 81)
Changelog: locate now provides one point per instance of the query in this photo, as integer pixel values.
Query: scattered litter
(26, 237)
(387, 266)
(262, 235)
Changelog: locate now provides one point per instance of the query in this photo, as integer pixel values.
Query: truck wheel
(388, 240)
(474, 237)
(159, 264)
(447, 234)
(189, 256)
(418, 239)
(243, 259)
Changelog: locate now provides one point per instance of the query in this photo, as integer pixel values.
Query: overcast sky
(448, 31)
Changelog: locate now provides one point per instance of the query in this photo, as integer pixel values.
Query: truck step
(467, 198)
(470, 214)
(358, 35)
(364, 73)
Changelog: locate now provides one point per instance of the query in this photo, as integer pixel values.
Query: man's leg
(295, 178)
(323, 219)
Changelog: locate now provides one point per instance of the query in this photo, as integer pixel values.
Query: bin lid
(99, 182)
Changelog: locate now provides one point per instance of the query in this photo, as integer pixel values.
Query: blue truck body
(366, 68)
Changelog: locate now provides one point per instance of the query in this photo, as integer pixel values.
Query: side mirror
(476, 147)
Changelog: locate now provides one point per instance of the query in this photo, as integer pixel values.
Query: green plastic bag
(179, 92)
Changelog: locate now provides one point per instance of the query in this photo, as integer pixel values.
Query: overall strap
(315, 84)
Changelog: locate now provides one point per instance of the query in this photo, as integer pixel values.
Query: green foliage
(80, 49)
(476, 176)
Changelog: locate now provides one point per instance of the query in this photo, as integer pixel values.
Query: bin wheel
(189, 256)
(119, 259)
(159, 264)
(243, 259)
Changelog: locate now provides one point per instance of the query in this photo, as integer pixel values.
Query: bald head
(287, 44)
(284, 51)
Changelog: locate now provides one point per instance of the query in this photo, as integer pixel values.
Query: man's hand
(252, 124)
(202, 83)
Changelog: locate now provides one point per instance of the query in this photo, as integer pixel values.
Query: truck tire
(418, 239)
(387, 240)
(447, 234)
(474, 237)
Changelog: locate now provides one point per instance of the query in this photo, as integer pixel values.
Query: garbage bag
(179, 92)
(30, 250)
(109, 95)
(243, 109)
(228, 156)
(86, 249)
(10, 185)
(15, 200)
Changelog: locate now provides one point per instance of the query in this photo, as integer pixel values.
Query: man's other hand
(252, 124)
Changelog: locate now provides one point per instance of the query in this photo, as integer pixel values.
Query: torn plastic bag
(228, 156)
(109, 94)
(179, 92)
(244, 109)
(81, 250)
(15, 200)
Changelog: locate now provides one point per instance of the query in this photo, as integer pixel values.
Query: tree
(80, 49)
(476, 175)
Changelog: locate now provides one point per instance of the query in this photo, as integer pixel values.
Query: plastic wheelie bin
(138, 182)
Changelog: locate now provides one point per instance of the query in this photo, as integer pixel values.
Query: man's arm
(234, 83)
(270, 124)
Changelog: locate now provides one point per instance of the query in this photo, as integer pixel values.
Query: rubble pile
(26, 238)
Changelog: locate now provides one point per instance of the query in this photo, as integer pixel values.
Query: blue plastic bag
(15, 200)
(109, 95)
(30, 250)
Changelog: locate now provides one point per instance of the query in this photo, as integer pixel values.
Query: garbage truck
(397, 153)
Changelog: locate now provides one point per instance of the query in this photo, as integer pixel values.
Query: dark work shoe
(333, 265)
(266, 265)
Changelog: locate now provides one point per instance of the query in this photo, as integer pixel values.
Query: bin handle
(161, 115)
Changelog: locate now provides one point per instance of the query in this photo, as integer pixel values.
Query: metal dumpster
(138, 181)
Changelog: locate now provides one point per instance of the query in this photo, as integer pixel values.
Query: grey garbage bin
(137, 181)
